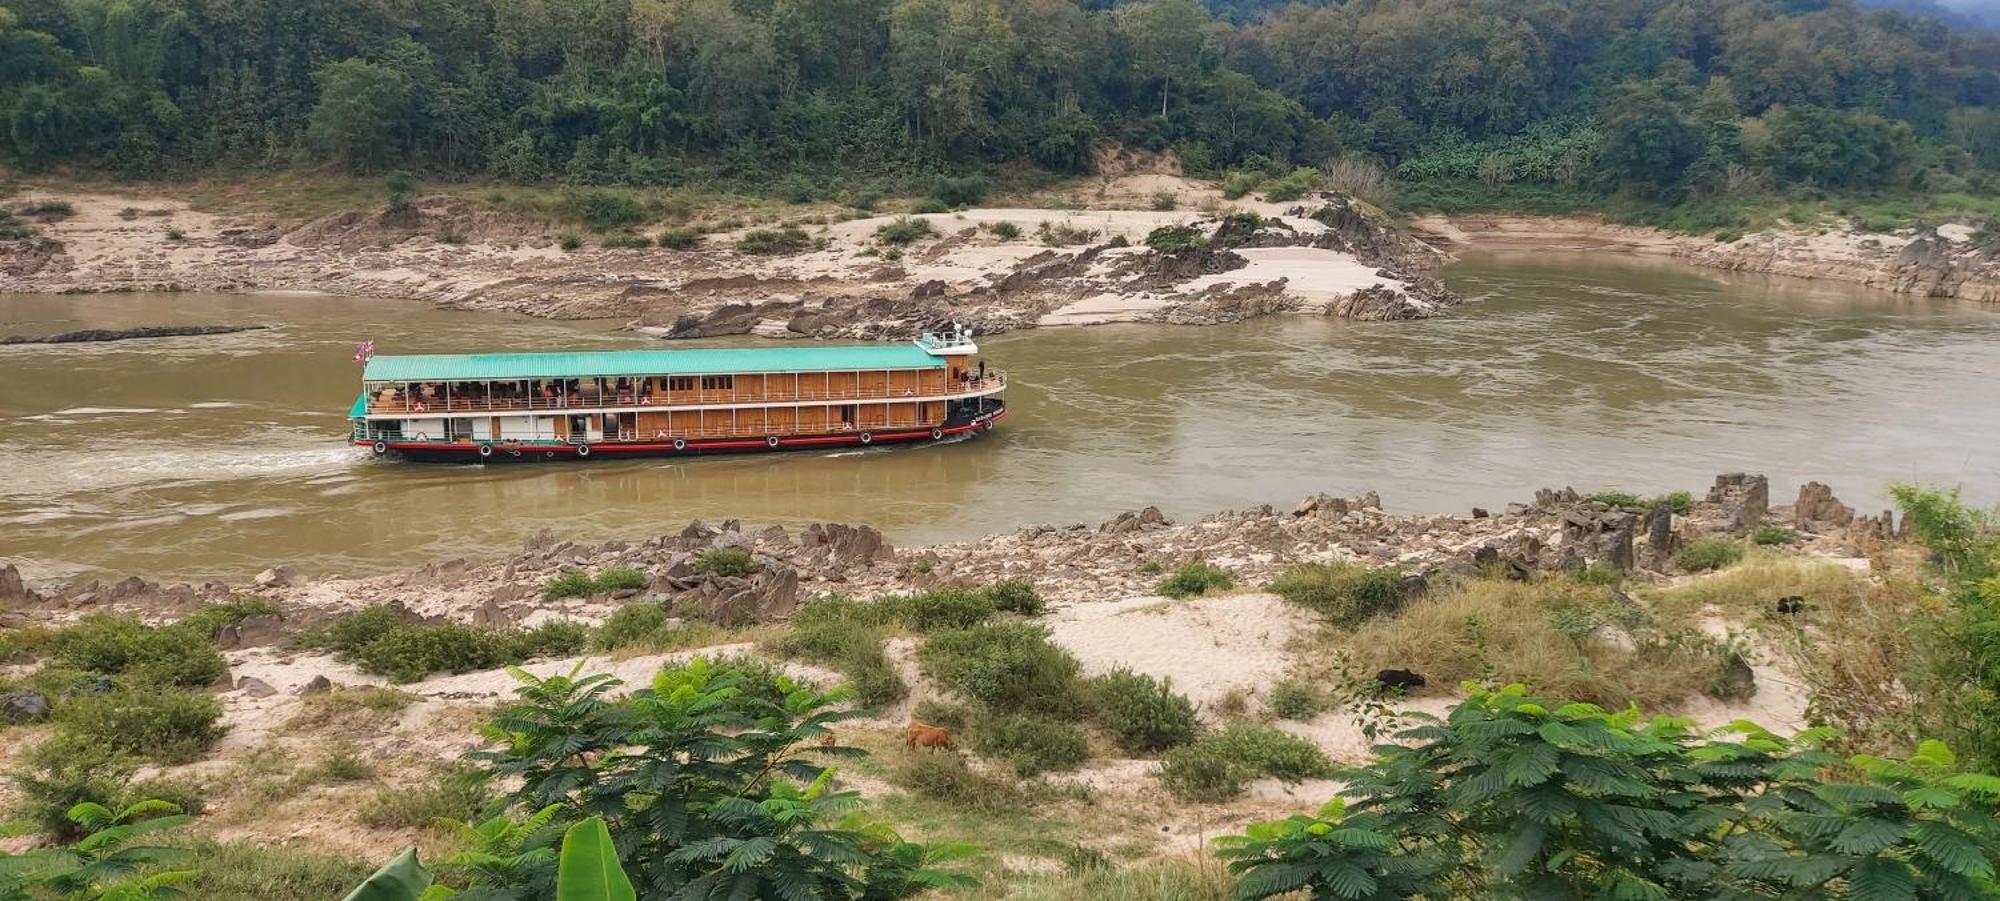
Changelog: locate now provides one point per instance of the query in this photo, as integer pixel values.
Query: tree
(361, 114)
(1169, 39)
(1645, 140)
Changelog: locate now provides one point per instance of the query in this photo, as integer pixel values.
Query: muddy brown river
(201, 457)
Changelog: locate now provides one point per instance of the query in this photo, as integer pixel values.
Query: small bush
(1296, 184)
(848, 636)
(1164, 201)
(948, 778)
(347, 634)
(904, 230)
(1705, 554)
(1143, 714)
(361, 702)
(865, 199)
(1033, 744)
(561, 638)
(1218, 767)
(1017, 596)
(943, 608)
(176, 234)
(456, 796)
(1195, 578)
(170, 725)
(620, 578)
(1617, 499)
(1065, 235)
(788, 239)
(409, 653)
(1597, 574)
(1175, 239)
(1680, 502)
(680, 238)
(1295, 699)
(572, 584)
(725, 561)
(1344, 593)
(1773, 535)
(1005, 231)
(1237, 185)
(569, 240)
(1007, 666)
(122, 646)
(932, 712)
(630, 625)
(963, 191)
(627, 241)
(601, 211)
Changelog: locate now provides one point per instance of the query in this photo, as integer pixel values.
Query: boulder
(1134, 521)
(1603, 537)
(23, 706)
(1661, 542)
(131, 586)
(317, 685)
(1818, 510)
(12, 588)
(255, 687)
(846, 544)
(255, 631)
(769, 593)
(698, 535)
(276, 577)
(1743, 499)
(775, 537)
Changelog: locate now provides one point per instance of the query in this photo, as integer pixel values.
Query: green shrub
(630, 625)
(1195, 578)
(601, 211)
(1007, 666)
(569, 240)
(943, 608)
(1017, 596)
(933, 712)
(459, 795)
(1175, 239)
(620, 578)
(123, 646)
(1217, 767)
(949, 779)
(1295, 699)
(788, 239)
(347, 634)
(962, 191)
(1033, 744)
(212, 617)
(409, 652)
(253, 870)
(1704, 554)
(1164, 201)
(1345, 593)
(1773, 535)
(1296, 184)
(930, 206)
(170, 725)
(1237, 185)
(1143, 714)
(680, 238)
(865, 199)
(560, 638)
(1680, 502)
(904, 229)
(572, 584)
(1005, 231)
(847, 635)
(1597, 574)
(1616, 499)
(725, 561)
(627, 241)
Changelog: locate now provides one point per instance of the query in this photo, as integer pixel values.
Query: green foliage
(1772, 535)
(1164, 201)
(626, 241)
(601, 211)
(1238, 185)
(787, 239)
(1962, 539)
(108, 862)
(1017, 596)
(904, 230)
(1345, 593)
(620, 578)
(380, 642)
(1004, 230)
(1680, 502)
(848, 636)
(725, 561)
(1296, 184)
(1175, 239)
(588, 867)
(1035, 744)
(950, 779)
(1217, 767)
(735, 800)
(1195, 578)
(1705, 554)
(1516, 796)
(569, 241)
(1143, 714)
(1007, 666)
(942, 608)
(960, 192)
(1295, 699)
(457, 794)
(171, 725)
(680, 239)
(179, 654)
(573, 583)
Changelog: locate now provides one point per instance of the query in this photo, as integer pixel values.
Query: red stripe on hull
(469, 453)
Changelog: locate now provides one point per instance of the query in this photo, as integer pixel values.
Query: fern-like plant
(108, 863)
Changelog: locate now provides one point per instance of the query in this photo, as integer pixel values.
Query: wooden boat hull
(500, 452)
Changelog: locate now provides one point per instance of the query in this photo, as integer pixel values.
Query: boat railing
(641, 436)
(437, 405)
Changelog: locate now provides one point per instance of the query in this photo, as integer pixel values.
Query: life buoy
(937, 434)
(867, 438)
(514, 451)
(486, 450)
(423, 436)
(381, 448)
(583, 450)
(680, 444)
(548, 455)
(771, 441)
(989, 425)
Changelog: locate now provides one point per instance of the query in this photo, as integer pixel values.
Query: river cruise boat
(509, 407)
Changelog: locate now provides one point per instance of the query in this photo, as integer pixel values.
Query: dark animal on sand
(1791, 605)
(1399, 678)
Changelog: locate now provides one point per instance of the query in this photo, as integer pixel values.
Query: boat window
(718, 383)
(680, 383)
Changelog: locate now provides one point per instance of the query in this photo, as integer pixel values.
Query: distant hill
(1981, 15)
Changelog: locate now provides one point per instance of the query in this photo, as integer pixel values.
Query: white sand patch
(1102, 308)
(1315, 275)
(1207, 646)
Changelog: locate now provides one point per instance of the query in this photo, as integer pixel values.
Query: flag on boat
(363, 351)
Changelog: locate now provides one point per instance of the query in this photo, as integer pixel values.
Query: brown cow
(918, 735)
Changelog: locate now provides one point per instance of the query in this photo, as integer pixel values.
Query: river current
(207, 457)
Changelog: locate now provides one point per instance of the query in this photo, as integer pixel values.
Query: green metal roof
(590, 364)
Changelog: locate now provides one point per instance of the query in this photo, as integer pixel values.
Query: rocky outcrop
(770, 592)
(1380, 303)
(1603, 537)
(1817, 510)
(1742, 500)
(12, 589)
(1128, 522)
(844, 544)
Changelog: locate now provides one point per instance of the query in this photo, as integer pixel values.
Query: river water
(192, 458)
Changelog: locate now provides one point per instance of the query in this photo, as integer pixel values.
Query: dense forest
(1667, 99)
